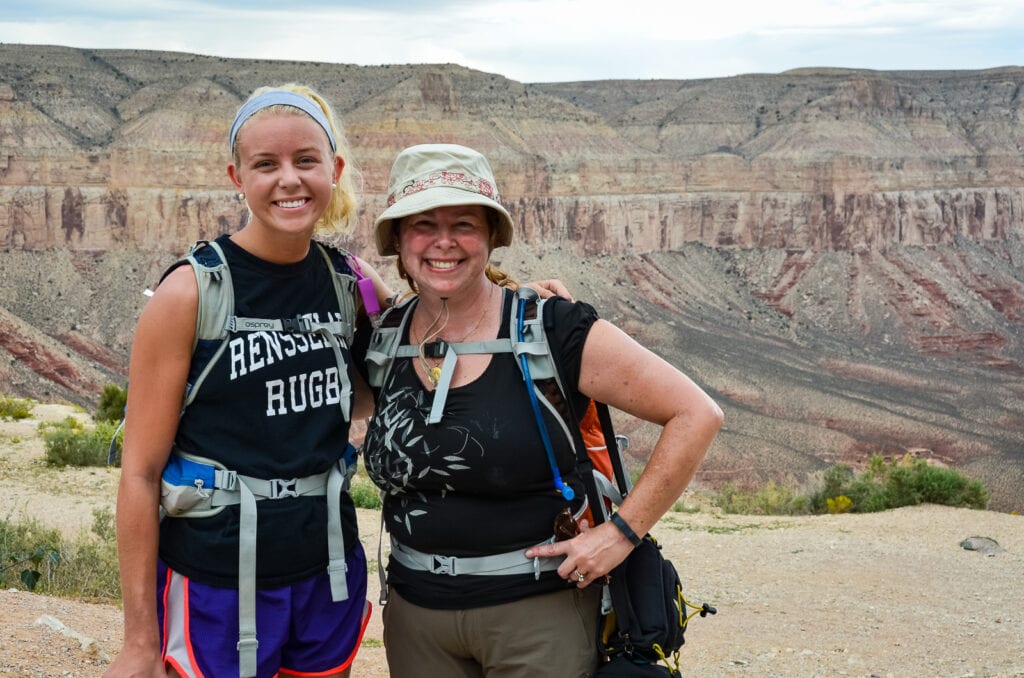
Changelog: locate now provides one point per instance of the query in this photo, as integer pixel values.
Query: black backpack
(643, 633)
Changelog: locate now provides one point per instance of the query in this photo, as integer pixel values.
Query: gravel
(883, 594)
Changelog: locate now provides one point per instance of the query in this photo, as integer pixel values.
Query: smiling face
(285, 167)
(446, 250)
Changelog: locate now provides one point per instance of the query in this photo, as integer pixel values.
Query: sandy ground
(886, 594)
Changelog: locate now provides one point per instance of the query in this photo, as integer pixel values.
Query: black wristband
(625, 529)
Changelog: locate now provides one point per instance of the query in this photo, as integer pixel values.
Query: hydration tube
(560, 486)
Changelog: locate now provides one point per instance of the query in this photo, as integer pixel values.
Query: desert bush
(84, 568)
(72, 443)
(364, 493)
(89, 569)
(902, 482)
(15, 408)
(27, 551)
(840, 504)
(917, 482)
(112, 403)
(770, 499)
(882, 485)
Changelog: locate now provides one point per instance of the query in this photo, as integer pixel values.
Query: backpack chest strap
(439, 348)
(451, 353)
(241, 324)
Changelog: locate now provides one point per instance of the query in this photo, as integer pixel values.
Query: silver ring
(579, 575)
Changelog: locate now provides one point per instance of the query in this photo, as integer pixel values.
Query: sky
(548, 40)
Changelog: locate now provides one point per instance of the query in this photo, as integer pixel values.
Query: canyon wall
(835, 254)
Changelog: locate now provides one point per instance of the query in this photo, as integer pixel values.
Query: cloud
(548, 40)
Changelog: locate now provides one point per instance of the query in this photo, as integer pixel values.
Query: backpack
(197, 487)
(644, 630)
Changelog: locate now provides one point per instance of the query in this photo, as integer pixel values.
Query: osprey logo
(256, 325)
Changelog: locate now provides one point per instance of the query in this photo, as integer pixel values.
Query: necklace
(433, 371)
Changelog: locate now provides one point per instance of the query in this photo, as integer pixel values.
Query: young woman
(454, 444)
(266, 413)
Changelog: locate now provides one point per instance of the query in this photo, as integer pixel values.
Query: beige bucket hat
(428, 176)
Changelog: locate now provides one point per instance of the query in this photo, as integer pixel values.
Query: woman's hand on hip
(589, 556)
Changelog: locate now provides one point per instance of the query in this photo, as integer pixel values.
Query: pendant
(434, 375)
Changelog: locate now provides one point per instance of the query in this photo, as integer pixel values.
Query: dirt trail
(885, 594)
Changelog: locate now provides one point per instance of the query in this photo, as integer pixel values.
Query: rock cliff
(835, 254)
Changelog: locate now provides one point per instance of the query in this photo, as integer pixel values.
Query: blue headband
(280, 97)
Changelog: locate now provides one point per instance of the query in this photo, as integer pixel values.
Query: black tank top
(479, 482)
(268, 409)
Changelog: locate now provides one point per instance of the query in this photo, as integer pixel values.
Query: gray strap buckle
(280, 488)
(297, 325)
(226, 480)
(443, 565)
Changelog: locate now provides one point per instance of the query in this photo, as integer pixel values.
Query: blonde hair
(340, 215)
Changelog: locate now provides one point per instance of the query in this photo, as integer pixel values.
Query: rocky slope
(837, 255)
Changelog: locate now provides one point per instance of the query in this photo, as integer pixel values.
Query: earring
(241, 197)
(334, 186)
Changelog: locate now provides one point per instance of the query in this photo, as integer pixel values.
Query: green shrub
(71, 443)
(836, 478)
(937, 485)
(769, 500)
(89, 569)
(15, 408)
(27, 551)
(867, 496)
(904, 482)
(882, 485)
(85, 568)
(364, 493)
(112, 403)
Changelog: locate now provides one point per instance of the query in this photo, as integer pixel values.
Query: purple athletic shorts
(299, 628)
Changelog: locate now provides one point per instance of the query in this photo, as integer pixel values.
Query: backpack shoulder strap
(344, 268)
(216, 293)
(533, 340)
(213, 278)
(533, 354)
(549, 387)
(385, 341)
(216, 307)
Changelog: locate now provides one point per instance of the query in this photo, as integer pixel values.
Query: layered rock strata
(835, 254)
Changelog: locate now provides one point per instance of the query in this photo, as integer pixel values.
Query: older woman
(455, 446)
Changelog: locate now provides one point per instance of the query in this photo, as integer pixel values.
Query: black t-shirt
(479, 482)
(268, 409)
